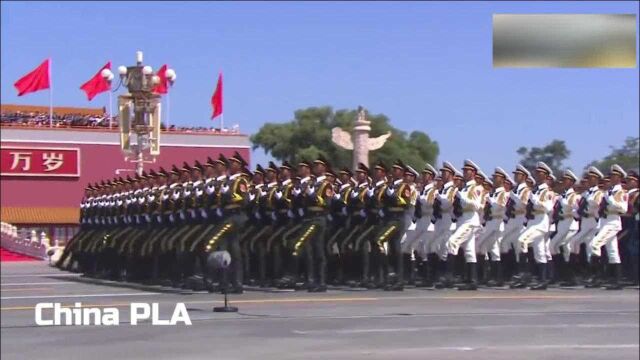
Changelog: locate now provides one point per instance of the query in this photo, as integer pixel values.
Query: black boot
(446, 282)
(498, 279)
(427, 280)
(472, 284)
(486, 271)
(521, 281)
(594, 267)
(570, 271)
(617, 276)
(542, 285)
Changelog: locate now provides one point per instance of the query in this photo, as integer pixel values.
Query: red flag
(163, 85)
(34, 81)
(216, 99)
(97, 84)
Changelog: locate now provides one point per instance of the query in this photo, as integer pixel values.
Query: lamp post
(140, 112)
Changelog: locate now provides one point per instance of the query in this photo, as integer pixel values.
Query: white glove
(301, 212)
(258, 216)
(552, 228)
(453, 227)
(273, 216)
(431, 227)
(311, 190)
(363, 213)
(263, 193)
(225, 188)
(278, 194)
(171, 218)
(159, 218)
(181, 214)
(251, 197)
(290, 214)
(210, 189)
(203, 213)
(330, 217)
(412, 227)
(296, 191)
(336, 196)
(199, 192)
(381, 213)
(192, 212)
(219, 212)
(390, 191)
(344, 211)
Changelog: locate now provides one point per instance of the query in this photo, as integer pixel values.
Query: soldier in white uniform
(566, 228)
(540, 207)
(469, 203)
(421, 238)
(588, 211)
(489, 241)
(613, 204)
(443, 210)
(518, 199)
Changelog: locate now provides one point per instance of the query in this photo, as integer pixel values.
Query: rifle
(529, 214)
(457, 207)
(487, 212)
(602, 211)
(557, 212)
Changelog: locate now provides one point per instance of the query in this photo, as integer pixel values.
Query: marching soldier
(234, 199)
(613, 204)
(469, 199)
(539, 207)
(567, 227)
(588, 212)
(488, 243)
(631, 223)
(444, 217)
(516, 213)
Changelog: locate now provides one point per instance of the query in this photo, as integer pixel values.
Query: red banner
(33, 161)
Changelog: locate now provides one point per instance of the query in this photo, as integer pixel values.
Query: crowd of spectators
(40, 119)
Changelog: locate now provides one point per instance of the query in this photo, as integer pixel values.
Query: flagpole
(168, 111)
(50, 96)
(222, 122)
(110, 109)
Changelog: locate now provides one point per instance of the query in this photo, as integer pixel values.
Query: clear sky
(425, 65)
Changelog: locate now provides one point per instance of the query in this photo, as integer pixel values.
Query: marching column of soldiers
(305, 227)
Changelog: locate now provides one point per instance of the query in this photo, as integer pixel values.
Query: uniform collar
(234, 176)
(221, 177)
(286, 182)
(500, 189)
(344, 186)
(259, 186)
(396, 182)
(427, 187)
(380, 182)
(632, 191)
(521, 186)
(593, 189)
(305, 180)
(272, 184)
(543, 186)
(320, 179)
(448, 184)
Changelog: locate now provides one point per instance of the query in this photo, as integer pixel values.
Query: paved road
(341, 324)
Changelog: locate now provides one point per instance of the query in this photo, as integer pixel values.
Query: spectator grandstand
(81, 118)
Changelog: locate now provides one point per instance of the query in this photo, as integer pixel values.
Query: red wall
(97, 162)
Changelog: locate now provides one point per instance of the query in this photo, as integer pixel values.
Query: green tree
(309, 135)
(627, 156)
(552, 154)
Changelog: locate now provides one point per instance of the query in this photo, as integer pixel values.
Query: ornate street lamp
(140, 112)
